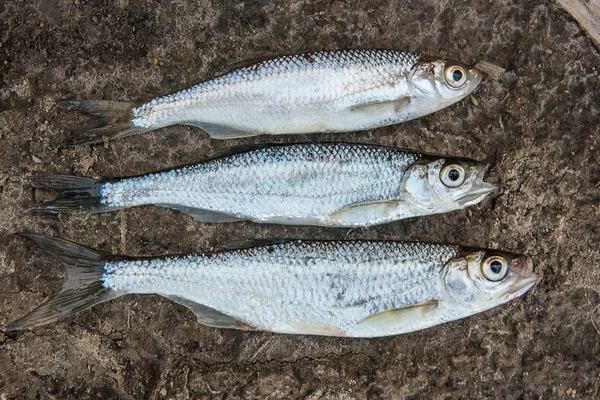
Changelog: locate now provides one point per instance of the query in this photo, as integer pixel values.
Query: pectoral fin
(388, 318)
(363, 213)
(394, 106)
(209, 316)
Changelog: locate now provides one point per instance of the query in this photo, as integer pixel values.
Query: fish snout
(521, 268)
(475, 77)
(484, 187)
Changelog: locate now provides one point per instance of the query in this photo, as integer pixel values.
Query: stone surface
(539, 121)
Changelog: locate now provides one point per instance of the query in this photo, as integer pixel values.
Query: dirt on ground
(539, 120)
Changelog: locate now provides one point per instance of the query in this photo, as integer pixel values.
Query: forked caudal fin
(79, 195)
(82, 287)
(116, 115)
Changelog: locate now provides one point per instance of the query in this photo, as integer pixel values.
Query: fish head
(441, 184)
(444, 80)
(477, 280)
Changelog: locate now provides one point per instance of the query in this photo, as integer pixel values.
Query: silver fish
(336, 288)
(324, 91)
(335, 185)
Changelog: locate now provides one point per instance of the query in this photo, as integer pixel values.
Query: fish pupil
(496, 267)
(453, 175)
(457, 75)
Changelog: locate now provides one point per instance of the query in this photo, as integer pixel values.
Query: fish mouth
(480, 189)
(519, 288)
(477, 195)
(525, 285)
(476, 78)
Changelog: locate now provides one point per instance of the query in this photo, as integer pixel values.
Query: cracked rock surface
(539, 121)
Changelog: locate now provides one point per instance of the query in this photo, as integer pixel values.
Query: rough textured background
(539, 120)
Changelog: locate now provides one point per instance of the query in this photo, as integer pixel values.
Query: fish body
(324, 91)
(332, 288)
(335, 185)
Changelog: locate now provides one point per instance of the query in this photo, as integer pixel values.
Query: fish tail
(117, 117)
(82, 288)
(79, 195)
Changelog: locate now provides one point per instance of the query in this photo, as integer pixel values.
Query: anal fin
(222, 132)
(202, 215)
(209, 316)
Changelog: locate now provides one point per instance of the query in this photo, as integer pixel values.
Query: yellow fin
(307, 328)
(393, 317)
(382, 106)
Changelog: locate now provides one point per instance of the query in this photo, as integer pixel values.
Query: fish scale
(330, 283)
(314, 181)
(327, 78)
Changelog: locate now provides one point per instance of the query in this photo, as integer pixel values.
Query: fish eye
(452, 176)
(456, 76)
(495, 268)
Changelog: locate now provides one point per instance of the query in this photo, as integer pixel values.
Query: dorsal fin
(250, 243)
(307, 55)
(233, 150)
(247, 63)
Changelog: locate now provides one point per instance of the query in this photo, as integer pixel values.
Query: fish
(322, 91)
(356, 289)
(327, 184)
